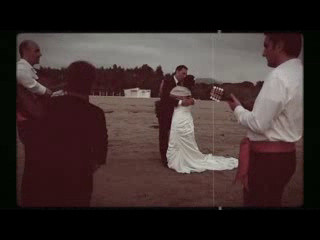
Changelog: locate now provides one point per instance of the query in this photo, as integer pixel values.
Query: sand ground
(134, 176)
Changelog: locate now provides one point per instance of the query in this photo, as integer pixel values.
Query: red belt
(257, 146)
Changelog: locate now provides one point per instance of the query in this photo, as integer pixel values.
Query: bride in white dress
(183, 153)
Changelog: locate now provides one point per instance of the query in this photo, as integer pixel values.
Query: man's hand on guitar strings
(234, 102)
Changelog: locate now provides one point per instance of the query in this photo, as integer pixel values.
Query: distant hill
(205, 80)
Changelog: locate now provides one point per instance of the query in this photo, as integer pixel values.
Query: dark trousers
(24, 131)
(164, 133)
(268, 175)
(43, 187)
(59, 182)
(47, 184)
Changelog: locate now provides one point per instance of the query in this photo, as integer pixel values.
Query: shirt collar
(288, 62)
(175, 79)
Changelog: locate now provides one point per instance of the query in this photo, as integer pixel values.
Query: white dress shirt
(277, 114)
(175, 79)
(27, 77)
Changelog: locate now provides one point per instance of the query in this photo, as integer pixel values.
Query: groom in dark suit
(167, 105)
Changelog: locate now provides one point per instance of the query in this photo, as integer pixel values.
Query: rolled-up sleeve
(269, 104)
(25, 78)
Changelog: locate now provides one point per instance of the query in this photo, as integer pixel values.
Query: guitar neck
(221, 94)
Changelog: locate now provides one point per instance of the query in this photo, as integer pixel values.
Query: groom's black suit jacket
(167, 103)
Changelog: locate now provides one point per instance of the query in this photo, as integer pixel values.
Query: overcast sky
(238, 57)
(128, 50)
(225, 57)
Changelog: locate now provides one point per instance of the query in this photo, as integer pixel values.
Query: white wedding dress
(183, 153)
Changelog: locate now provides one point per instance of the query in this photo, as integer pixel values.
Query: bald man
(28, 86)
(26, 75)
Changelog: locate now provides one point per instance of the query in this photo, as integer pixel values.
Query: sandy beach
(135, 177)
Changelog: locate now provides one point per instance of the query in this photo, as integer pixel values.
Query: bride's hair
(189, 82)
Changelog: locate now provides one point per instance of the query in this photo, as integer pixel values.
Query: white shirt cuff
(39, 89)
(58, 93)
(238, 110)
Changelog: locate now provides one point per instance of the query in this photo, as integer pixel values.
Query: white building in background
(137, 93)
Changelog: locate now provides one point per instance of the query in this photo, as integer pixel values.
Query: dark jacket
(62, 151)
(167, 103)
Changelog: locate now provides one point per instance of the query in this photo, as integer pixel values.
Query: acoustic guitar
(246, 95)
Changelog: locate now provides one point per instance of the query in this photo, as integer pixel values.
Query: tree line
(113, 80)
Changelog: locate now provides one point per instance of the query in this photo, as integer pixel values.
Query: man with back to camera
(59, 170)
